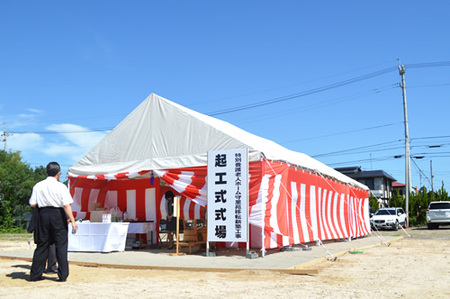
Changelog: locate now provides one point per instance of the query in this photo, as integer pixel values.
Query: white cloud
(25, 142)
(21, 120)
(66, 143)
(65, 149)
(77, 140)
(32, 114)
(35, 111)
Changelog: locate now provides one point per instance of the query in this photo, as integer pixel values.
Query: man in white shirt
(54, 202)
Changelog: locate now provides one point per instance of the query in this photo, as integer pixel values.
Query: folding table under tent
(161, 145)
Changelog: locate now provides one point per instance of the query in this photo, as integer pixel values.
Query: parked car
(438, 213)
(388, 218)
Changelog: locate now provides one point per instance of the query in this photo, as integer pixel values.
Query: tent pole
(263, 251)
(178, 222)
(207, 243)
(248, 234)
(248, 206)
(177, 212)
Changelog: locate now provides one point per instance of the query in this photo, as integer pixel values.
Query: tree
(418, 204)
(16, 183)
(397, 200)
(373, 202)
(441, 194)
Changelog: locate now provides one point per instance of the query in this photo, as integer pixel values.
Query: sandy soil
(407, 268)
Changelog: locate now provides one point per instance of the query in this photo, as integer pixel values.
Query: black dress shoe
(36, 279)
(61, 280)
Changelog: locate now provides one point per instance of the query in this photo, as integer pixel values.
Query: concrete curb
(296, 262)
(188, 269)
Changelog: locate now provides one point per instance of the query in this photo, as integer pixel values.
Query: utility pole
(5, 136)
(401, 69)
(432, 176)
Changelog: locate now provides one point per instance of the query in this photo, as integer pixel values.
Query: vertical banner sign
(227, 207)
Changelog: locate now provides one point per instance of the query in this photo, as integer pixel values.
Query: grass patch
(15, 237)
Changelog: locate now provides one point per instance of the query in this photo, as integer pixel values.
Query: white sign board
(227, 208)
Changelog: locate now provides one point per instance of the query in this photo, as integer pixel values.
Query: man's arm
(33, 199)
(68, 210)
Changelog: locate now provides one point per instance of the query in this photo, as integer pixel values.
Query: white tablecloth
(98, 237)
(143, 228)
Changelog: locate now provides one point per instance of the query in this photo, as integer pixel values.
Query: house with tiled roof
(379, 182)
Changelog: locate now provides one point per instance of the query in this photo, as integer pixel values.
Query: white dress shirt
(50, 193)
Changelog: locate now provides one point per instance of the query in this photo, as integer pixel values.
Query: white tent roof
(160, 134)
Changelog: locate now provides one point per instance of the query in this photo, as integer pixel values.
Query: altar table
(98, 237)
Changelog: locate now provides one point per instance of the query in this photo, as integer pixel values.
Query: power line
(316, 105)
(356, 148)
(304, 93)
(328, 87)
(428, 64)
(360, 161)
(63, 132)
(289, 97)
(421, 172)
(295, 84)
(342, 133)
(373, 146)
(431, 137)
(428, 85)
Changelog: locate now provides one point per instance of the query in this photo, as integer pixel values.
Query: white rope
(378, 234)
(398, 224)
(405, 230)
(331, 257)
(358, 214)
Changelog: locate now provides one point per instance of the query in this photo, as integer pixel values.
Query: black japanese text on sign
(227, 205)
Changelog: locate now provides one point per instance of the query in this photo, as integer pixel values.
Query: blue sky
(319, 78)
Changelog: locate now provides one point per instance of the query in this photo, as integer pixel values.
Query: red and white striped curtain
(302, 207)
(286, 206)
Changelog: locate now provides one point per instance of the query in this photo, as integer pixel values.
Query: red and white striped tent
(161, 145)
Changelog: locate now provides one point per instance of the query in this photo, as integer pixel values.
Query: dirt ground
(411, 267)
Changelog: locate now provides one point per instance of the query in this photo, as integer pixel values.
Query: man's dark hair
(53, 168)
(169, 194)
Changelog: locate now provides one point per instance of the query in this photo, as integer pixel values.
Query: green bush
(373, 202)
(418, 204)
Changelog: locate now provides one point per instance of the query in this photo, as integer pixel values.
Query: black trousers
(52, 230)
(51, 259)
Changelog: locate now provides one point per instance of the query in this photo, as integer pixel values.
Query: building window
(369, 183)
